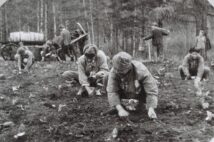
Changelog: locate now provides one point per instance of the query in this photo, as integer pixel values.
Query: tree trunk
(41, 15)
(46, 21)
(4, 27)
(38, 18)
(85, 13)
(20, 26)
(54, 17)
(92, 21)
(134, 45)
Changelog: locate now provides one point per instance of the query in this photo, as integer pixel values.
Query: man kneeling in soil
(92, 67)
(129, 79)
(25, 58)
(193, 66)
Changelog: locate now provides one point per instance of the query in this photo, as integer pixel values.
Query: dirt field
(43, 106)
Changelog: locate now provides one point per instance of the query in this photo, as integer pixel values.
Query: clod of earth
(169, 75)
(2, 77)
(15, 88)
(32, 95)
(8, 124)
(19, 135)
(210, 115)
(205, 105)
(61, 106)
(115, 133)
(49, 105)
(212, 140)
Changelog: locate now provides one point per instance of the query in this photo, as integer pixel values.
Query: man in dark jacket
(207, 45)
(157, 34)
(66, 39)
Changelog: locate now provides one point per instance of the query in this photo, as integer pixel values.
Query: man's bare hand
(151, 113)
(100, 74)
(121, 111)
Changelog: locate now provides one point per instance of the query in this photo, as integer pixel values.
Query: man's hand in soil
(151, 113)
(99, 74)
(90, 90)
(20, 72)
(188, 77)
(121, 111)
(197, 85)
(25, 71)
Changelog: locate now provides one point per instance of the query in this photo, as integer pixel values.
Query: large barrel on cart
(32, 40)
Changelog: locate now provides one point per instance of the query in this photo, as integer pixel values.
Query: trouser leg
(183, 76)
(70, 75)
(73, 52)
(105, 82)
(155, 51)
(160, 53)
(63, 54)
(206, 73)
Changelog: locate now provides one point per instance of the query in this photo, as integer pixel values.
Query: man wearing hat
(92, 67)
(193, 66)
(48, 50)
(156, 35)
(25, 58)
(130, 79)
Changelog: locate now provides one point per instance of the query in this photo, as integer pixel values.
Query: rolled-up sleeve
(185, 65)
(112, 90)
(102, 61)
(83, 79)
(150, 86)
(200, 67)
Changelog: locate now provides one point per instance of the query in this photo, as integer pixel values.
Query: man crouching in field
(25, 58)
(49, 51)
(129, 79)
(92, 67)
(193, 66)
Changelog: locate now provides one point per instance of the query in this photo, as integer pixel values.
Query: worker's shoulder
(100, 53)
(140, 68)
(138, 64)
(81, 59)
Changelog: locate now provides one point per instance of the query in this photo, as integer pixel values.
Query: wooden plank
(75, 40)
(2, 2)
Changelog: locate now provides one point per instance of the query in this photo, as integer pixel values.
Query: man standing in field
(25, 58)
(201, 44)
(193, 66)
(129, 79)
(92, 67)
(66, 39)
(156, 35)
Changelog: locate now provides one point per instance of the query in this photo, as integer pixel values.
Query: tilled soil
(46, 108)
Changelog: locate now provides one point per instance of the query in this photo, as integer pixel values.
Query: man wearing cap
(25, 58)
(92, 67)
(156, 35)
(193, 66)
(130, 79)
(48, 50)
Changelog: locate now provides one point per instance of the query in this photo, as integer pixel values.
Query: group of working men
(127, 79)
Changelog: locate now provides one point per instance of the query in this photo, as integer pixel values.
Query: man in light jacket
(130, 79)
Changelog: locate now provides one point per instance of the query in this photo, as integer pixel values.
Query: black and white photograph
(106, 70)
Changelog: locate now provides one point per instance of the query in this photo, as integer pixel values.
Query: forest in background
(113, 24)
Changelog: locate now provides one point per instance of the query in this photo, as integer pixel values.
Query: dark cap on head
(61, 26)
(193, 50)
(154, 24)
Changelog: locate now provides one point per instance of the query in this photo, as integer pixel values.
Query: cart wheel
(8, 51)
